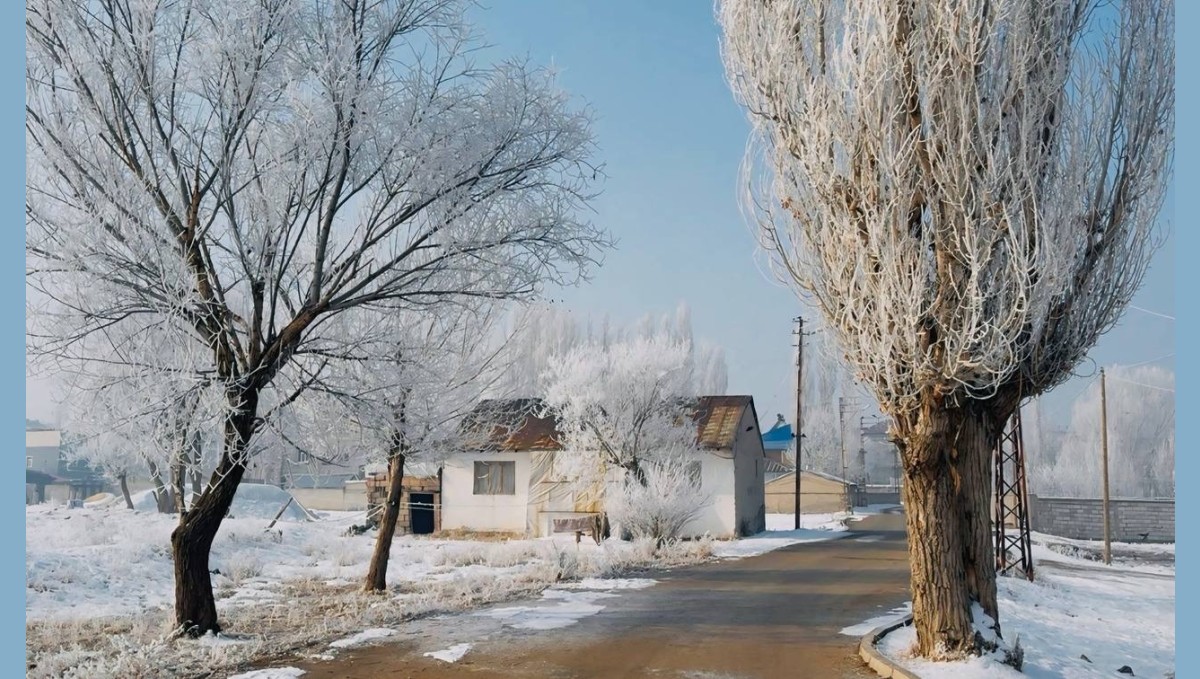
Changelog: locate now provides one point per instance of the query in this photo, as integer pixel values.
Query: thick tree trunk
(974, 445)
(124, 482)
(377, 572)
(936, 550)
(947, 456)
(191, 542)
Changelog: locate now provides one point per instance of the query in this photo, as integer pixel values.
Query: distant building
(42, 450)
(819, 493)
(508, 481)
(48, 475)
(778, 442)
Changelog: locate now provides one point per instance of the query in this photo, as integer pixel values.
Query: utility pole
(797, 432)
(1104, 458)
(842, 437)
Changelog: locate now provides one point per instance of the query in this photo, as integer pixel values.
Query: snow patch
(1115, 617)
(363, 637)
(271, 673)
(452, 654)
(866, 626)
(565, 609)
(780, 534)
(609, 584)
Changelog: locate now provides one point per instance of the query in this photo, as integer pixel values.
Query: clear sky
(672, 139)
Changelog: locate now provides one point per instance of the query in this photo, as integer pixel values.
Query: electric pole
(842, 435)
(796, 433)
(1104, 461)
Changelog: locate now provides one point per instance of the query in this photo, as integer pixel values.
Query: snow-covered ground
(99, 581)
(1079, 620)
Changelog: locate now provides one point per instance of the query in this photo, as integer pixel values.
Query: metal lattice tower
(1014, 552)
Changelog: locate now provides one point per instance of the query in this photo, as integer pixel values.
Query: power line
(1141, 384)
(1153, 360)
(1152, 313)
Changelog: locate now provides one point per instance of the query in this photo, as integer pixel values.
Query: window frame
(494, 477)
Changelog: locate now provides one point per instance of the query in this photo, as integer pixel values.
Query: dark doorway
(421, 506)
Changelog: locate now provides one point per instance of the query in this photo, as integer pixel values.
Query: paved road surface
(774, 616)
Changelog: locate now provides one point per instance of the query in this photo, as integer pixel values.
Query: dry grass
(476, 535)
(309, 613)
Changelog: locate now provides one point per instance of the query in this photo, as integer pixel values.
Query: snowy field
(1079, 620)
(99, 582)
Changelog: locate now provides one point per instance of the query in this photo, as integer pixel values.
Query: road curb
(878, 662)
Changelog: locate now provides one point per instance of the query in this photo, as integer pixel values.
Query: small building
(778, 442)
(50, 477)
(420, 499)
(42, 450)
(507, 479)
(819, 493)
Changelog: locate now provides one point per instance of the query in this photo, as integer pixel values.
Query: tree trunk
(974, 446)
(377, 572)
(162, 494)
(194, 467)
(124, 482)
(191, 542)
(178, 473)
(933, 515)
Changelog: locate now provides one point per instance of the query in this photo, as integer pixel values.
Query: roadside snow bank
(780, 534)
(1075, 622)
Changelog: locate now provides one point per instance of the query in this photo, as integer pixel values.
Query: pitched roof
(523, 424)
(778, 437)
(511, 425)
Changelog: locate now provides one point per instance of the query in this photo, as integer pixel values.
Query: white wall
(748, 484)
(462, 509)
(717, 483)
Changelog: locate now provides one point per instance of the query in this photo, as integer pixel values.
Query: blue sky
(671, 139)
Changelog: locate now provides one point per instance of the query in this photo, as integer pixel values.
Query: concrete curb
(881, 664)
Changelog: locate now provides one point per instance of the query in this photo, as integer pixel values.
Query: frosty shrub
(661, 507)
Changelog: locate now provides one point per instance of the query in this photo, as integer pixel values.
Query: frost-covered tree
(661, 507)
(1141, 439)
(421, 373)
(967, 192)
(136, 403)
(625, 413)
(541, 333)
(250, 171)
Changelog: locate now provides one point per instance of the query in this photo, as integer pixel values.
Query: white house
(507, 482)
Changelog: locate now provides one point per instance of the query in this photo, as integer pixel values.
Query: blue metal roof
(778, 437)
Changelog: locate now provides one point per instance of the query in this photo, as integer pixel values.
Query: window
(29, 462)
(495, 478)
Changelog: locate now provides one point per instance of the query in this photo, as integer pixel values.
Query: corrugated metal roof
(523, 424)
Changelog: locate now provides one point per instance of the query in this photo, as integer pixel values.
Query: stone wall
(1083, 518)
(376, 487)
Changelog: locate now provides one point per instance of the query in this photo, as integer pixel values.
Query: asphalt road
(774, 616)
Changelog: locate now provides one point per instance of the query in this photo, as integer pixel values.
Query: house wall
(818, 495)
(749, 499)
(42, 459)
(462, 509)
(718, 518)
(327, 499)
(1083, 518)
